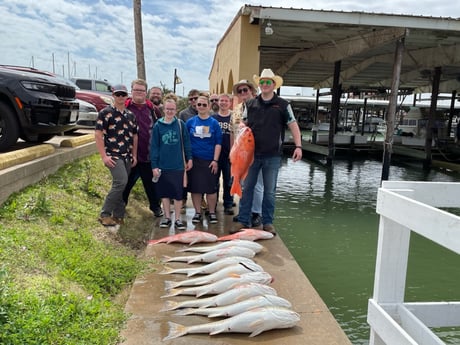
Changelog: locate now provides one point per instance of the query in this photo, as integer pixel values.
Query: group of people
(175, 155)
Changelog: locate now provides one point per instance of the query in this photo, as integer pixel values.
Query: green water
(327, 219)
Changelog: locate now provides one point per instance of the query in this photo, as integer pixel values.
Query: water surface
(327, 219)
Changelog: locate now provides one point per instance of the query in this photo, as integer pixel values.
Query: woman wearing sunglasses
(206, 140)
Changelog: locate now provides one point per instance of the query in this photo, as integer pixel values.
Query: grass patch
(64, 277)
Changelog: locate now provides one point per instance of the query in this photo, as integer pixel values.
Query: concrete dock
(147, 325)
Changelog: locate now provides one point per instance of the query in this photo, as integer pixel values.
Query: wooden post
(431, 116)
(140, 61)
(336, 91)
(388, 142)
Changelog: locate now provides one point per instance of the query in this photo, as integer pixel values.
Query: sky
(95, 38)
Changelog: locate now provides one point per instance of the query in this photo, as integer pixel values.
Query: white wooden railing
(404, 207)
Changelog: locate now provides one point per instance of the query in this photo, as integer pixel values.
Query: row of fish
(236, 289)
(196, 236)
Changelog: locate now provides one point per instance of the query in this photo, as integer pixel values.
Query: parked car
(93, 84)
(98, 99)
(34, 105)
(87, 115)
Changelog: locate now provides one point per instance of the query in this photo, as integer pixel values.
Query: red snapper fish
(241, 158)
(249, 235)
(189, 237)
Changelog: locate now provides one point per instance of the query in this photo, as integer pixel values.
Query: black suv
(34, 105)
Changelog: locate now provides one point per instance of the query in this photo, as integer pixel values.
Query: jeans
(113, 204)
(258, 195)
(144, 171)
(224, 169)
(269, 167)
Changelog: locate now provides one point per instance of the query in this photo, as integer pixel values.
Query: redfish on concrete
(189, 237)
(241, 158)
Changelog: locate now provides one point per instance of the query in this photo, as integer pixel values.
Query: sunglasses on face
(214, 100)
(193, 98)
(265, 82)
(201, 105)
(242, 90)
(120, 94)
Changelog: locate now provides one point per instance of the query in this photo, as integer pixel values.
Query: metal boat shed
(349, 52)
(303, 45)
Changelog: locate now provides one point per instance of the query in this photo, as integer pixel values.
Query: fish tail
(166, 258)
(185, 311)
(170, 305)
(169, 285)
(236, 188)
(175, 330)
(172, 292)
(154, 241)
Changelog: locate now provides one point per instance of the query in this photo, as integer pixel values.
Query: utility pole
(140, 61)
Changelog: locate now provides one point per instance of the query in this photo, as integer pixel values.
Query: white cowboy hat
(267, 73)
(244, 82)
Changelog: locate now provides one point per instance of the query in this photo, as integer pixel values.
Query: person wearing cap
(266, 115)
(145, 112)
(244, 91)
(116, 140)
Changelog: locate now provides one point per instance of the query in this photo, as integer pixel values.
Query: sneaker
(119, 220)
(107, 221)
(229, 211)
(158, 212)
(237, 227)
(256, 219)
(213, 218)
(269, 228)
(196, 218)
(179, 225)
(165, 223)
(204, 205)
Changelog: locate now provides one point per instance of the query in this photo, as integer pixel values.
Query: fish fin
(170, 305)
(166, 258)
(175, 330)
(202, 293)
(185, 311)
(234, 275)
(258, 326)
(169, 285)
(172, 292)
(216, 315)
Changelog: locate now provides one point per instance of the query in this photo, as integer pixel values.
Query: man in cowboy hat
(267, 115)
(245, 90)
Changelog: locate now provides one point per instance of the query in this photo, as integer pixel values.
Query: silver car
(87, 115)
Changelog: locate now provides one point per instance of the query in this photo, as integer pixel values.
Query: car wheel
(9, 129)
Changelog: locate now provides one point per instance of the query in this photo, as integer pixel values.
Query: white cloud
(97, 38)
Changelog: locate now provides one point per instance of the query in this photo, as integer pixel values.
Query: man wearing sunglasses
(191, 110)
(267, 115)
(116, 140)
